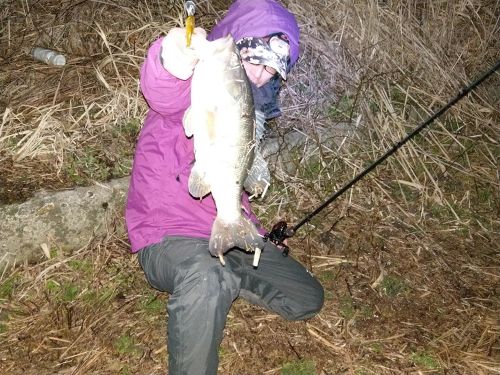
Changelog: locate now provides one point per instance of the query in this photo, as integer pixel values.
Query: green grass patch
(52, 286)
(329, 295)
(65, 292)
(302, 367)
(97, 297)
(110, 157)
(89, 165)
(3, 328)
(486, 195)
(70, 292)
(8, 286)
(54, 252)
(126, 278)
(366, 312)
(453, 124)
(396, 95)
(424, 359)
(313, 168)
(393, 286)
(376, 347)
(152, 305)
(327, 276)
(403, 191)
(121, 168)
(129, 129)
(223, 352)
(343, 110)
(125, 345)
(347, 308)
(81, 265)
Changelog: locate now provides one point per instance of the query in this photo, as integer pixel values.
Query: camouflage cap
(272, 51)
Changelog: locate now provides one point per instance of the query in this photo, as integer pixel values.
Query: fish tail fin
(242, 234)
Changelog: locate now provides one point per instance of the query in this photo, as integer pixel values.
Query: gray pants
(202, 291)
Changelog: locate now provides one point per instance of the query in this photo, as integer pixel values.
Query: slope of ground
(409, 257)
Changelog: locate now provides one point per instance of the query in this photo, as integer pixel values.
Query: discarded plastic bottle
(48, 56)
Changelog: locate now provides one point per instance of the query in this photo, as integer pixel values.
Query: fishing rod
(280, 231)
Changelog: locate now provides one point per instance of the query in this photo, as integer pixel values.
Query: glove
(178, 59)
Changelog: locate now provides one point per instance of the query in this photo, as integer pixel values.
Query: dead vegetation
(408, 257)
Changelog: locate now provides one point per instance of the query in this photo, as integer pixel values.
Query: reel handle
(279, 233)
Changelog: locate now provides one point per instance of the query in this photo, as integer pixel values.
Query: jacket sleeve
(164, 93)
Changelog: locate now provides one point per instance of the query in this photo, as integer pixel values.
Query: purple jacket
(159, 202)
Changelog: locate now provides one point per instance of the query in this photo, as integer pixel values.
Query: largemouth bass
(222, 120)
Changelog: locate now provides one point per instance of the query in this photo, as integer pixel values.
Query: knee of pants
(211, 284)
(308, 306)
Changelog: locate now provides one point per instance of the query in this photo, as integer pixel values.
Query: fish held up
(222, 120)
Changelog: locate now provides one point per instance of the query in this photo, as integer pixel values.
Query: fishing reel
(278, 235)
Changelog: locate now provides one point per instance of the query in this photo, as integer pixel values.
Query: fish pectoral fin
(197, 185)
(259, 178)
(187, 121)
(242, 234)
(205, 118)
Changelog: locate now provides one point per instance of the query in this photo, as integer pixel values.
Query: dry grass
(408, 257)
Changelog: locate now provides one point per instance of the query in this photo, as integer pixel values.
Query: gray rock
(66, 219)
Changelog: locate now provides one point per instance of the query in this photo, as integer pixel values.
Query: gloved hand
(178, 59)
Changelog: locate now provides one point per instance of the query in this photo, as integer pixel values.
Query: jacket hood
(259, 18)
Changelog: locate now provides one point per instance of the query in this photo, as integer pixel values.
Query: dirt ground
(398, 301)
(409, 257)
